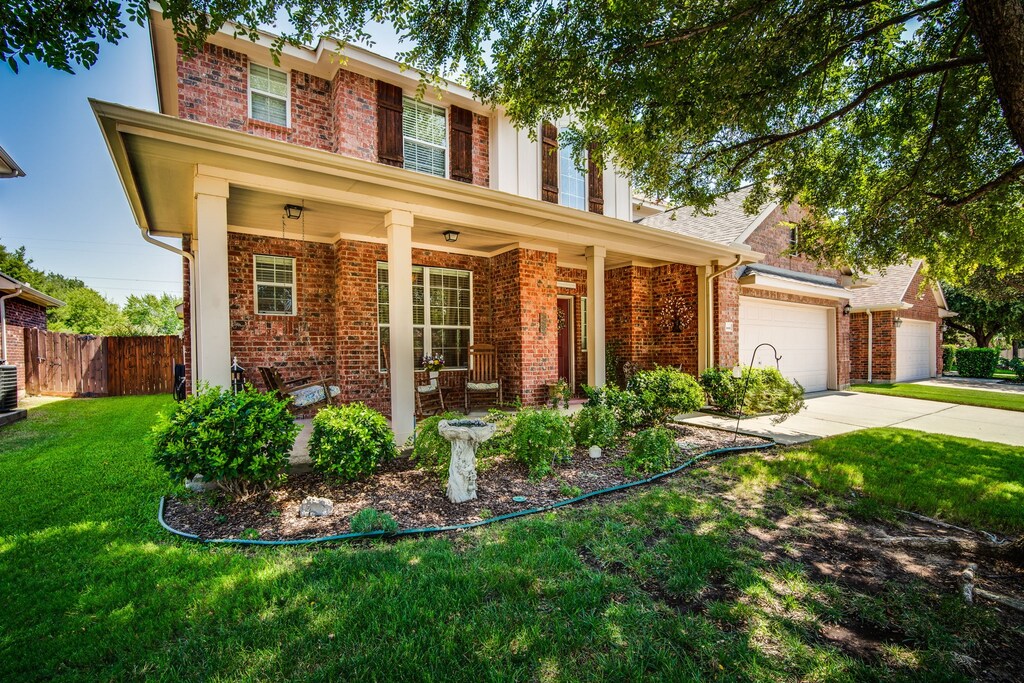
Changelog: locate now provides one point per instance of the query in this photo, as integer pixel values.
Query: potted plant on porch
(433, 364)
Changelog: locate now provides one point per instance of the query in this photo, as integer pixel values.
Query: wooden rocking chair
(304, 393)
(482, 379)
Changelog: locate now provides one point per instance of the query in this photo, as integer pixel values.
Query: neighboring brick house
(902, 318)
(22, 307)
(304, 191)
(785, 300)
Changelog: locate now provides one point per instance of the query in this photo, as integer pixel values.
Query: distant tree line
(86, 311)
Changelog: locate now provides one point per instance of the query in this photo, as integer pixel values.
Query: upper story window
(794, 237)
(268, 95)
(572, 184)
(425, 137)
(275, 284)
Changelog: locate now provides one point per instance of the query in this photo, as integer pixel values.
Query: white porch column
(212, 321)
(703, 320)
(399, 225)
(595, 316)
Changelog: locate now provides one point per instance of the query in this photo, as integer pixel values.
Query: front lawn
(977, 483)
(967, 397)
(702, 577)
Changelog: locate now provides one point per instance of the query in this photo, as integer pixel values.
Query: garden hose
(459, 527)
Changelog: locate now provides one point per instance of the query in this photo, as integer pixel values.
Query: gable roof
(8, 284)
(8, 167)
(727, 224)
(891, 288)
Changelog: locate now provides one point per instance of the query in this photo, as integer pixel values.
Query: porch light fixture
(898, 321)
(450, 235)
(293, 211)
(846, 309)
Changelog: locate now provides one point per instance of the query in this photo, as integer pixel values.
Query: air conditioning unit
(8, 388)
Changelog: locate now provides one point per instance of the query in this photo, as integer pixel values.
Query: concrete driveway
(839, 412)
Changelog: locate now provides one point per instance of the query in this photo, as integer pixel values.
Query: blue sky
(70, 211)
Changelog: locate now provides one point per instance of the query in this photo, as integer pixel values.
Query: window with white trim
(572, 182)
(268, 95)
(275, 284)
(583, 323)
(442, 313)
(425, 137)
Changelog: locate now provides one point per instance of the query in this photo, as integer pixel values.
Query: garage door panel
(915, 350)
(800, 333)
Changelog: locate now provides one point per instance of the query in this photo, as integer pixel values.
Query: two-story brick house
(304, 190)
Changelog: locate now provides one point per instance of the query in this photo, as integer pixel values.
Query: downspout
(709, 303)
(3, 324)
(191, 295)
(871, 344)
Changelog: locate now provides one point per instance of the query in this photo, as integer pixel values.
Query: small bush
(431, 452)
(349, 442)
(595, 426)
(368, 519)
(760, 390)
(948, 357)
(1017, 365)
(540, 439)
(239, 441)
(560, 393)
(722, 389)
(662, 393)
(652, 450)
(976, 362)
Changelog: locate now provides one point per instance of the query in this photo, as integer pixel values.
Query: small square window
(275, 285)
(268, 95)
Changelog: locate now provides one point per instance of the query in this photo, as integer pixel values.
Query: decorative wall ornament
(676, 314)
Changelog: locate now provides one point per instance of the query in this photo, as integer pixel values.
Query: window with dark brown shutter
(389, 124)
(461, 149)
(549, 162)
(595, 182)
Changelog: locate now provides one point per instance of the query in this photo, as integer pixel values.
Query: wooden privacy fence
(60, 364)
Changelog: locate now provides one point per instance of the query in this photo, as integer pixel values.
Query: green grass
(94, 589)
(967, 397)
(965, 481)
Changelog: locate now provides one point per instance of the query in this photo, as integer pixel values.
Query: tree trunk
(999, 25)
(983, 339)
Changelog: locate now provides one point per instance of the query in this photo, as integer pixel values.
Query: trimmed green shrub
(761, 390)
(540, 439)
(948, 357)
(662, 393)
(976, 362)
(348, 442)
(431, 452)
(1017, 365)
(239, 441)
(651, 450)
(369, 519)
(595, 426)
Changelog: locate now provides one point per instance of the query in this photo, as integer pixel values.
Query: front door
(565, 339)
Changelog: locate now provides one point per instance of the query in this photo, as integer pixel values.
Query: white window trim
(447, 140)
(287, 100)
(586, 180)
(427, 327)
(584, 324)
(256, 283)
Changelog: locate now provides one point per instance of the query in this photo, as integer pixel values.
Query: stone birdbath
(465, 436)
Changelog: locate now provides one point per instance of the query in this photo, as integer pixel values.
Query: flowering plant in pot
(433, 364)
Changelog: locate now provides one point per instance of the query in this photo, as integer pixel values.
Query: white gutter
(193, 333)
(3, 324)
(871, 343)
(709, 303)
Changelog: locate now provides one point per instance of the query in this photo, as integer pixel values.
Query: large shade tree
(900, 121)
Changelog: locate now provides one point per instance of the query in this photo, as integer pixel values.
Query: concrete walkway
(972, 383)
(839, 412)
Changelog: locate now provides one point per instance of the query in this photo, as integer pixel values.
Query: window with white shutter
(275, 284)
(572, 184)
(425, 137)
(268, 95)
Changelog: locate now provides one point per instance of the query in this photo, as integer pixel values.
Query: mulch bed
(416, 499)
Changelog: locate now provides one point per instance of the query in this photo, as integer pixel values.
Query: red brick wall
(337, 116)
(772, 238)
(524, 298)
(858, 347)
(667, 346)
(20, 315)
(577, 276)
(726, 293)
(298, 345)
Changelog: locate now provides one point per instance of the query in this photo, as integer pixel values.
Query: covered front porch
(559, 292)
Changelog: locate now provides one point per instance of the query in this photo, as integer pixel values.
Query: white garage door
(800, 333)
(915, 350)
